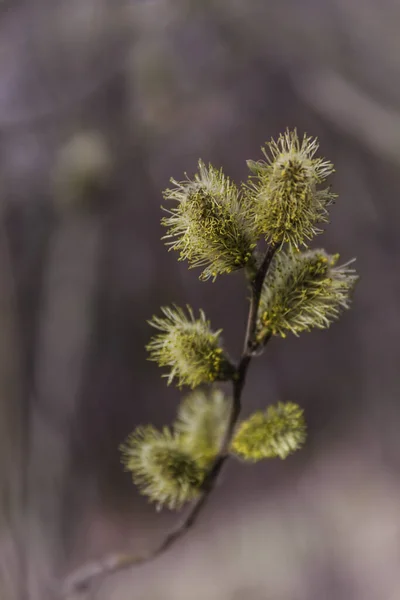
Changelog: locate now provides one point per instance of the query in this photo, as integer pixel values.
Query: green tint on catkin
(161, 467)
(202, 421)
(277, 432)
(211, 225)
(288, 204)
(189, 347)
(302, 291)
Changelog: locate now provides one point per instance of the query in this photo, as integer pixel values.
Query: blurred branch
(64, 335)
(81, 579)
(14, 438)
(336, 99)
(352, 110)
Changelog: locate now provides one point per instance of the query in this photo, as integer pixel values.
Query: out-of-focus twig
(350, 109)
(14, 439)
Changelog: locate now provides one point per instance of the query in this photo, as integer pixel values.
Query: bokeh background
(101, 102)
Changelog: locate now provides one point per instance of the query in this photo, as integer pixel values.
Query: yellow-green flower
(161, 467)
(288, 204)
(279, 431)
(189, 347)
(302, 291)
(202, 421)
(210, 226)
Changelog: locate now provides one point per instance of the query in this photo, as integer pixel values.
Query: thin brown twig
(81, 579)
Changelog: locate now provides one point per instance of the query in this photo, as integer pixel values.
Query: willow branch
(81, 579)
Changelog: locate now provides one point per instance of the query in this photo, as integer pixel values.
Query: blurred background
(101, 102)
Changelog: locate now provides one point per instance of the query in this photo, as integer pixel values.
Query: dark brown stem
(82, 578)
(250, 345)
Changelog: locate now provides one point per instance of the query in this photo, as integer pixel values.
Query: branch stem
(81, 579)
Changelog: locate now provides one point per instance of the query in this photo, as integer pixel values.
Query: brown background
(160, 83)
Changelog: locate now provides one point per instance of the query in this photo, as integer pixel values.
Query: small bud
(277, 432)
(189, 347)
(302, 291)
(211, 226)
(287, 204)
(201, 423)
(163, 470)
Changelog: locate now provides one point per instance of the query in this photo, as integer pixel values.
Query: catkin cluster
(219, 226)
